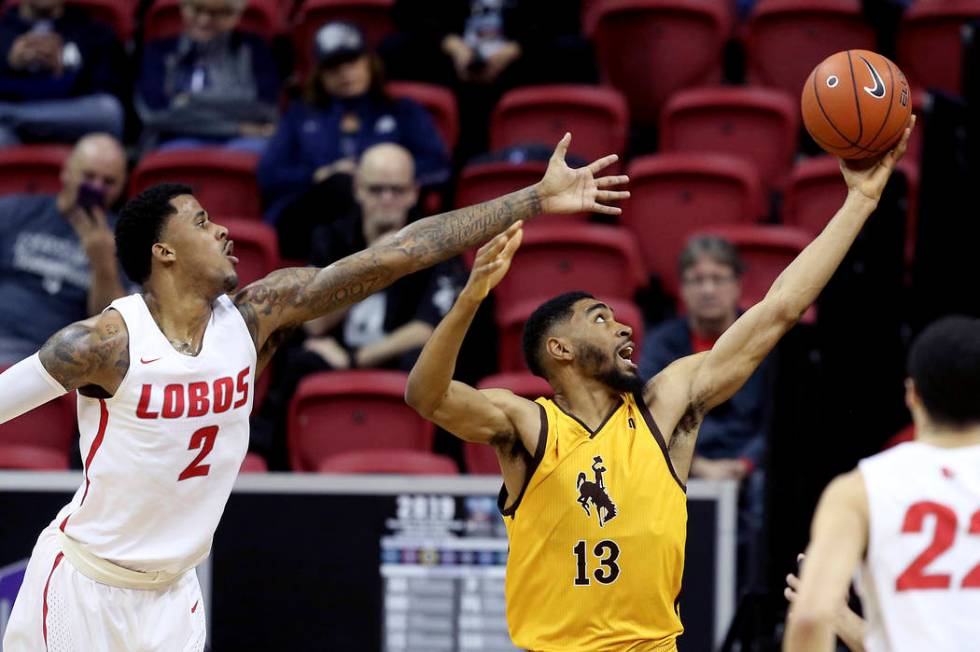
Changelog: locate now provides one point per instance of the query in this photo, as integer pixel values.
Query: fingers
(562, 148)
(513, 242)
(605, 182)
(612, 195)
(606, 210)
(596, 166)
(899, 150)
(793, 582)
(789, 594)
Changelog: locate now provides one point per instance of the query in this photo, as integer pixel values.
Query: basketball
(856, 104)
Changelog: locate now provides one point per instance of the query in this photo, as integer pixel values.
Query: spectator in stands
(483, 48)
(388, 329)
(211, 85)
(60, 74)
(57, 252)
(345, 110)
(731, 442)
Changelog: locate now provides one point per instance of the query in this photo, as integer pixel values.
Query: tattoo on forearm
(291, 296)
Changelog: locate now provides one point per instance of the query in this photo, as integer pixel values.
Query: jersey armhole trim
(657, 435)
(248, 334)
(529, 473)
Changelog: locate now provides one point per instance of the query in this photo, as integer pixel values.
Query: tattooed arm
(90, 355)
(288, 297)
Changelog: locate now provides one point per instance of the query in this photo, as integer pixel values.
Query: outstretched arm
(712, 378)
(291, 296)
(496, 417)
(838, 540)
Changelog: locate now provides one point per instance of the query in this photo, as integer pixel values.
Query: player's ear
(559, 348)
(164, 253)
(912, 400)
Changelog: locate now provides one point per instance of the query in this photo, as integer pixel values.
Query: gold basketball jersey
(597, 537)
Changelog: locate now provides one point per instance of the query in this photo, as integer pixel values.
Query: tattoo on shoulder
(81, 353)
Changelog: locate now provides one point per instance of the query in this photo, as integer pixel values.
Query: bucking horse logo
(605, 508)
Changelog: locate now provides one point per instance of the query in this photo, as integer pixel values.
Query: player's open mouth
(626, 353)
(229, 247)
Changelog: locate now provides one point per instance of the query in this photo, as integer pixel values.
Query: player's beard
(610, 374)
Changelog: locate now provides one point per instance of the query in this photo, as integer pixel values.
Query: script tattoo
(85, 354)
(289, 297)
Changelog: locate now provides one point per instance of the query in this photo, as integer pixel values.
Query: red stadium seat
(511, 319)
(650, 49)
(223, 180)
(930, 43)
(34, 169)
(32, 458)
(673, 194)
(816, 190)
(372, 16)
(759, 124)
(254, 463)
(596, 117)
(788, 38)
(766, 252)
(336, 412)
(553, 259)
(438, 101)
(404, 462)
(260, 17)
(256, 248)
(41, 438)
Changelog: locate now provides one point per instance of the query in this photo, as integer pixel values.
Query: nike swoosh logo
(194, 608)
(878, 91)
(148, 361)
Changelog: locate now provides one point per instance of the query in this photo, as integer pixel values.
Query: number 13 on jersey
(606, 552)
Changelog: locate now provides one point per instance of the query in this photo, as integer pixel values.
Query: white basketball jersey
(920, 582)
(162, 454)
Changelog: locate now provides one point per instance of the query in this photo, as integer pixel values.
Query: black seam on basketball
(816, 96)
(900, 129)
(857, 99)
(836, 150)
(891, 101)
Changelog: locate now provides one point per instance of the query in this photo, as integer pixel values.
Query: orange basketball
(856, 104)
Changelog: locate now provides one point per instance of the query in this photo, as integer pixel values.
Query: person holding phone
(57, 253)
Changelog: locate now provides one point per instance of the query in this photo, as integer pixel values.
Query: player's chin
(230, 281)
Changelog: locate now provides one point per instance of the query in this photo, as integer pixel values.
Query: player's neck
(182, 317)
(588, 399)
(944, 437)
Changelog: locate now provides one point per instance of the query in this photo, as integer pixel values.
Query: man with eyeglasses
(385, 330)
(211, 85)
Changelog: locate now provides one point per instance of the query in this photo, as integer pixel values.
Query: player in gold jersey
(594, 494)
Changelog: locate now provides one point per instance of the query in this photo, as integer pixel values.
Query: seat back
(340, 411)
(256, 248)
(930, 43)
(404, 462)
(596, 117)
(787, 38)
(223, 180)
(759, 124)
(43, 435)
(676, 193)
(438, 101)
(33, 169)
(649, 49)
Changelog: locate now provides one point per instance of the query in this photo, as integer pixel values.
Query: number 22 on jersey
(915, 577)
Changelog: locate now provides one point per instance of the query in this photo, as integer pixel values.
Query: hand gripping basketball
(869, 176)
(567, 190)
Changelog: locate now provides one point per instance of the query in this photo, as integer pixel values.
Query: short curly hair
(140, 224)
(944, 363)
(541, 323)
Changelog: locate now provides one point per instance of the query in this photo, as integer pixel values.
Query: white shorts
(60, 610)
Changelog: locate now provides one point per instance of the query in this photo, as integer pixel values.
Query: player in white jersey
(165, 383)
(909, 517)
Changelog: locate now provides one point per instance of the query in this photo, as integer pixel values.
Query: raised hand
(567, 190)
(868, 177)
(492, 262)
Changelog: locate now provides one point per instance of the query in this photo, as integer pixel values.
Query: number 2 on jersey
(914, 577)
(203, 439)
(607, 552)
